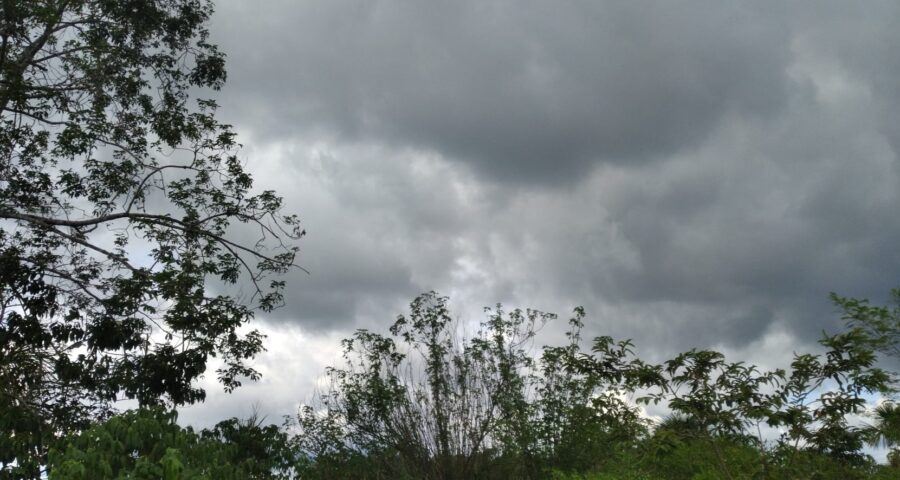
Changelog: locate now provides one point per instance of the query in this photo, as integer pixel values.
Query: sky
(695, 174)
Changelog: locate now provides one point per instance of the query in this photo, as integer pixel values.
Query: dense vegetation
(148, 444)
(423, 402)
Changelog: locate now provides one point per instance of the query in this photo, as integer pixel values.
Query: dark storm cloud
(747, 233)
(524, 91)
(694, 173)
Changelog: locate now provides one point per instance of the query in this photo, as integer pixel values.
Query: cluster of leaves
(422, 402)
(119, 198)
(425, 402)
(149, 444)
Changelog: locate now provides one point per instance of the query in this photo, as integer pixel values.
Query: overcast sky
(695, 174)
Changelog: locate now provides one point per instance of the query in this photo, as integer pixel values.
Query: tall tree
(119, 198)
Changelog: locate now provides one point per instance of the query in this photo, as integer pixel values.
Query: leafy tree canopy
(119, 194)
(880, 323)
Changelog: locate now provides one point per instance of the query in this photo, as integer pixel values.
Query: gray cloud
(384, 226)
(694, 174)
(528, 91)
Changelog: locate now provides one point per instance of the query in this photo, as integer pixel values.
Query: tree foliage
(427, 402)
(149, 444)
(880, 324)
(119, 197)
(424, 402)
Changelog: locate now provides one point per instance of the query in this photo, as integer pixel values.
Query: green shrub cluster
(149, 444)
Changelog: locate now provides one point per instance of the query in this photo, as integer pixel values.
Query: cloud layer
(521, 91)
(694, 174)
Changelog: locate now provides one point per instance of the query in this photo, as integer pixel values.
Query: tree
(120, 195)
(880, 324)
(426, 403)
(823, 391)
(886, 430)
(584, 420)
